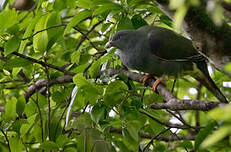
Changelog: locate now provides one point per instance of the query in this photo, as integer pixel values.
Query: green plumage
(160, 51)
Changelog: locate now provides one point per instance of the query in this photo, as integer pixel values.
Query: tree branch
(172, 103)
(84, 37)
(43, 83)
(161, 138)
(43, 63)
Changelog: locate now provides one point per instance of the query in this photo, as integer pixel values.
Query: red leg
(145, 78)
(156, 83)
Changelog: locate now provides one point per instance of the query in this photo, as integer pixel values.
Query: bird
(162, 52)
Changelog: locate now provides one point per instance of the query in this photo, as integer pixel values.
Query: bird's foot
(145, 78)
(156, 83)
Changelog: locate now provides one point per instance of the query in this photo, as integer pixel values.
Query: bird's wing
(167, 45)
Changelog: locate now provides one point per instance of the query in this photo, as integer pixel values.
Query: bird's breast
(133, 60)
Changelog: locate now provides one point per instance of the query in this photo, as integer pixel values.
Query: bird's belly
(149, 64)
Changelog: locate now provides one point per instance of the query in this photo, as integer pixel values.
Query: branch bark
(151, 136)
(40, 84)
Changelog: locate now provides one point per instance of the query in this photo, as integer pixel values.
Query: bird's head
(121, 39)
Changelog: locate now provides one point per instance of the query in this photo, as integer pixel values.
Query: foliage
(108, 113)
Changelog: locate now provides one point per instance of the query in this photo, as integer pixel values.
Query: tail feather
(205, 79)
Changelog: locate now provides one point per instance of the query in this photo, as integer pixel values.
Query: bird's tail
(205, 79)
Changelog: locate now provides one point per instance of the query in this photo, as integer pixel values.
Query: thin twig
(85, 35)
(164, 123)
(43, 63)
(61, 117)
(55, 26)
(162, 132)
(40, 116)
(7, 140)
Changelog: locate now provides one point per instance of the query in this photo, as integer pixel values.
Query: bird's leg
(156, 83)
(145, 78)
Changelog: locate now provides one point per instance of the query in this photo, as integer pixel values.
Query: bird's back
(167, 44)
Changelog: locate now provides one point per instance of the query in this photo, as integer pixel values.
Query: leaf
(15, 71)
(124, 24)
(8, 18)
(28, 32)
(203, 134)
(54, 33)
(228, 67)
(11, 45)
(16, 144)
(49, 145)
(11, 108)
(133, 128)
(40, 40)
(138, 21)
(26, 127)
(87, 88)
(62, 140)
(84, 3)
(216, 136)
(76, 19)
(107, 7)
(115, 92)
(98, 112)
(75, 57)
(17, 62)
(20, 105)
(221, 113)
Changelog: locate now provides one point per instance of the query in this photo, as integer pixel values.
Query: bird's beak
(109, 44)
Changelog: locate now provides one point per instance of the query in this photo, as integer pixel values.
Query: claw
(145, 78)
(156, 83)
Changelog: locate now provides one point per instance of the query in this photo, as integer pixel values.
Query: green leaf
(54, 33)
(216, 136)
(59, 5)
(11, 45)
(8, 18)
(107, 7)
(15, 71)
(40, 40)
(125, 24)
(76, 19)
(203, 134)
(87, 88)
(75, 57)
(49, 145)
(28, 32)
(11, 108)
(62, 140)
(221, 113)
(98, 112)
(20, 105)
(228, 67)
(133, 127)
(25, 128)
(84, 3)
(138, 21)
(17, 62)
(115, 92)
(16, 144)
